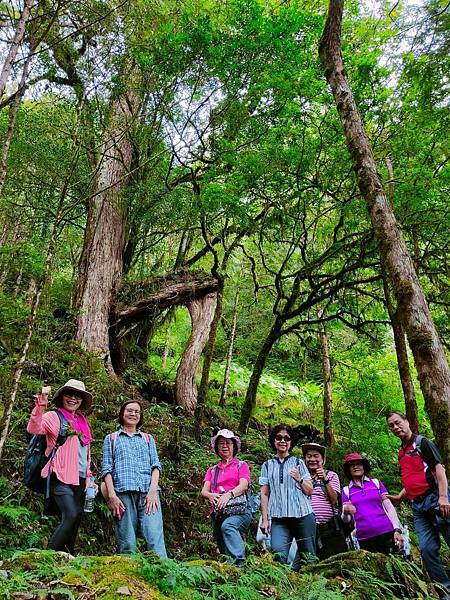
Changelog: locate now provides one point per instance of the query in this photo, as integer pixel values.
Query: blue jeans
(303, 530)
(150, 524)
(228, 535)
(429, 524)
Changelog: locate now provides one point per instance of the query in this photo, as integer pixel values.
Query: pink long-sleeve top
(65, 463)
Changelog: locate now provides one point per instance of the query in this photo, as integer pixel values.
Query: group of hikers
(301, 501)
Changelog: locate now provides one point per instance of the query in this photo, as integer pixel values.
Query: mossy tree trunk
(412, 307)
(201, 311)
(101, 261)
(401, 351)
(401, 348)
(209, 354)
(327, 387)
(226, 376)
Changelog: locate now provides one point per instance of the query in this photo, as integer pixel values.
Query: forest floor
(37, 574)
(194, 571)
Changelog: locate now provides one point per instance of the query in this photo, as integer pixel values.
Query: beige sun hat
(73, 385)
(313, 446)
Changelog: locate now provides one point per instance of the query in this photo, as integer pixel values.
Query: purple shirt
(370, 518)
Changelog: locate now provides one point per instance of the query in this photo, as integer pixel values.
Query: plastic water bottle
(406, 544)
(354, 541)
(89, 501)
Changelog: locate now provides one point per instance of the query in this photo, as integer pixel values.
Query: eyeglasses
(283, 438)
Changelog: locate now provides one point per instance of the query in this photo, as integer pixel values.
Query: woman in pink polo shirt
(223, 483)
(69, 469)
(365, 500)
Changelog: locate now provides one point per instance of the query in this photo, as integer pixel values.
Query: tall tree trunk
(226, 377)
(14, 240)
(258, 368)
(18, 282)
(207, 362)
(327, 387)
(201, 311)
(15, 45)
(13, 110)
(101, 261)
(401, 349)
(6, 227)
(209, 354)
(413, 311)
(31, 291)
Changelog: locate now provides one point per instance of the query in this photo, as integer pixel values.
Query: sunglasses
(283, 438)
(73, 396)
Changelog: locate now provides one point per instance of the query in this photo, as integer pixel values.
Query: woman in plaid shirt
(131, 470)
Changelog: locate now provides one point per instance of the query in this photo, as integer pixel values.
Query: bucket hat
(313, 446)
(229, 435)
(73, 385)
(353, 457)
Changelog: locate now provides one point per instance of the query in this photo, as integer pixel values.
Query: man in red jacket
(425, 486)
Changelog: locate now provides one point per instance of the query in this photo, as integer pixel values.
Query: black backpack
(35, 459)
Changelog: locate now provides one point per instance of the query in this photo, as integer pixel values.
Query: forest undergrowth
(186, 454)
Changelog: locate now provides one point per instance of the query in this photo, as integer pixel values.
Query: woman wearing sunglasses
(285, 507)
(68, 471)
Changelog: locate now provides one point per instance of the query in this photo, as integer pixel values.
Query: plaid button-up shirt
(130, 459)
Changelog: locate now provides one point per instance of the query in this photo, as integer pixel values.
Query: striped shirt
(133, 461)
(322, 507)
(286, 497)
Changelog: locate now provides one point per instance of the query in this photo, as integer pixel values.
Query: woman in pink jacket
(69, 468)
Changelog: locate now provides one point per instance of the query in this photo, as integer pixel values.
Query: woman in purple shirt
(365, 500)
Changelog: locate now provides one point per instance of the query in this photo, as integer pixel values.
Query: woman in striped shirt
(285, 506)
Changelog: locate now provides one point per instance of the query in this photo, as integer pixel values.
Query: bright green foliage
(147, 578)
(238, 144)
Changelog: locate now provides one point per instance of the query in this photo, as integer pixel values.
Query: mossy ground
(356, 575)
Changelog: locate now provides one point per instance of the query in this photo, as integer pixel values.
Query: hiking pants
(70, 501)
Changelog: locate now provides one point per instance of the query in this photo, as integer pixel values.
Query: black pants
(383, 543)
(330, 539)
(70, 501)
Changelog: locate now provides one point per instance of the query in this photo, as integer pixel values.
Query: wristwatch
(301, 481)
(232, 493)
(326, 481)
(398, 530)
